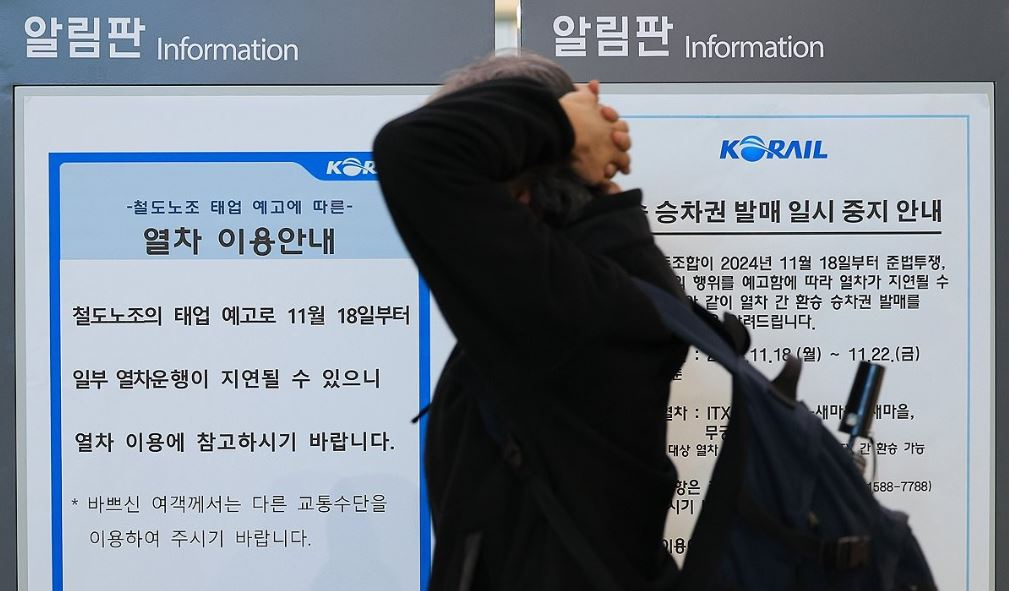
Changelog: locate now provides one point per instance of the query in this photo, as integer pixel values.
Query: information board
(776, 41)
(218, 365)
(841, 223)
(221, 343)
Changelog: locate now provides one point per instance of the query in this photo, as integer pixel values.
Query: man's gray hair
(510, 65)
(557, 193)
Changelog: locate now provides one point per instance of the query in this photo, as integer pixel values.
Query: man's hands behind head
(602, 139)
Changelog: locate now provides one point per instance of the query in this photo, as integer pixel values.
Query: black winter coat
(550, 329)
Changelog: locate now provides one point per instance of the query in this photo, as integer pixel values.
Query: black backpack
(787, 508)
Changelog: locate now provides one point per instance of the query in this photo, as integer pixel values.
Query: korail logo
(351, 167)
(753, 148)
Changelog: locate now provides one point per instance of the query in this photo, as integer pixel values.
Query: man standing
(500, 188)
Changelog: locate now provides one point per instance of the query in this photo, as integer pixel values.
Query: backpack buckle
(846, 553)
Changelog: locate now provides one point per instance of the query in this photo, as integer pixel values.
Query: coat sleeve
(519, 296)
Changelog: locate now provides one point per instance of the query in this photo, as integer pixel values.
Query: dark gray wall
(893, 41)
(864, 41)
(378, 42)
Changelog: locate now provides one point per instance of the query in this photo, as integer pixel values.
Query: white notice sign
(841, 224)
(224, 341)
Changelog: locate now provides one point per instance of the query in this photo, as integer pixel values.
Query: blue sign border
(315, 163)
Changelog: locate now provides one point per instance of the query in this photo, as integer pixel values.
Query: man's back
(555, 342)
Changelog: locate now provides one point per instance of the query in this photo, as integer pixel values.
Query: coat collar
(611, 223)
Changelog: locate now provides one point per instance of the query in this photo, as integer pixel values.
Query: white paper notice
(225, 341)
(841, 225)
(222, 340)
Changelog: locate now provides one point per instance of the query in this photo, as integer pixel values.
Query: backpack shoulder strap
(685, 323)
(559, 519)
(503, 433)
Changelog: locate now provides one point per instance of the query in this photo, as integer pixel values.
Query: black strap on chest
(550, 506)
